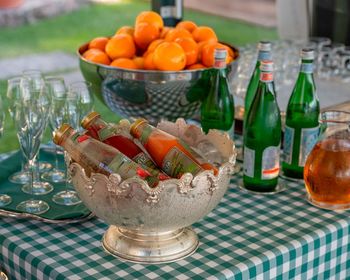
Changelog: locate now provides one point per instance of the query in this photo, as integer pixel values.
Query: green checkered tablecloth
(246, 237)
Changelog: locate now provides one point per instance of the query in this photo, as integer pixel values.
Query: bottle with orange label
(170, 153)
(95, 156)
(108, 134)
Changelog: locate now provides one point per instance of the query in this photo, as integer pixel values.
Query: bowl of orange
(152, 71)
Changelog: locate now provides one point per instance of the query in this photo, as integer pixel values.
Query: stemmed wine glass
(31, 115)
(12, 96)
(82, 91)
(36, 80)
(71, 115)
(4, 198)
(78, 103)
(57, 91)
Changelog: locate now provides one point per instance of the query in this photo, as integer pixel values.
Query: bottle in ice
(302, 119)
(264, 53)
(170, 153)
(106, 133)
(262, 136)
(217, 109)
(95, 156)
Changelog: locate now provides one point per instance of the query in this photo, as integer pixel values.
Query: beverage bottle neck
(307, 67)
(263, 55)
(266, 83)
(95, 126)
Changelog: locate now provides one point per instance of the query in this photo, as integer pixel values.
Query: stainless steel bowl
(153, 95)
(152, 225)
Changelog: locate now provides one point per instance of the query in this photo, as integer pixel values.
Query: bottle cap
(60, 132)
(266, 65)
(86, 121)
(307, 53)
(264, 46)
(135, 125)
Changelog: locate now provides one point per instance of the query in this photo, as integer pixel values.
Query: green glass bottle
(264, 53)
(262, 136)
(170, 10)
(302, 119)
(217, 108)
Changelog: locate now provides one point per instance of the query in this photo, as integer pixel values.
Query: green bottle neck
(307, 66)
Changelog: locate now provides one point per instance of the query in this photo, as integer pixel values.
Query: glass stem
(36, 173)
(23, 165)
(56, 157)
(66, 171)
(32, 168)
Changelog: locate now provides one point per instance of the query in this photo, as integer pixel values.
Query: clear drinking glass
(31, 114)
(72, 117)
(4, 198)
(57, 91)
(35, 78)
(82, 91)
(12, 95)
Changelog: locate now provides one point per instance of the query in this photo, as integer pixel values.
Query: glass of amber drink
(327, 168)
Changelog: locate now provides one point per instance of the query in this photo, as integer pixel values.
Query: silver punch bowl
(150, 94)
(153, 225)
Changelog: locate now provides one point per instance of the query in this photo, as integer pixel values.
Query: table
(247, 236)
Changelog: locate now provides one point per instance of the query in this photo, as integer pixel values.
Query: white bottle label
(308, 139)
(288, 143)
(270, 162)
(248, 162)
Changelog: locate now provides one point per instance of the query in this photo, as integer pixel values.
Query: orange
(124, 63)
(97, 56)
(208, 53)
(154, 44)
(173, 34)
(165, 31)
(121, 45)
(150, 17)
(204, 33)
(196, 66)
(191, 49)
(139, 61)
(145, 33)
(98, 43)
(169, 56)
(148, 62)
(125, 30)
(200, 47)
(187, 24)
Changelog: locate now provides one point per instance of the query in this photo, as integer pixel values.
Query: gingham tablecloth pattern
(246, 237)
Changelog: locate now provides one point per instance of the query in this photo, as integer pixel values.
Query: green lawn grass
(67, 32)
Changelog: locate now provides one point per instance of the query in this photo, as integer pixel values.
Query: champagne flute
(12, 96)
(82, 91)
(71, 116)
(4, 198)
(35, 78)
(57, 91)
(31, 114)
